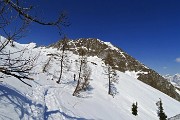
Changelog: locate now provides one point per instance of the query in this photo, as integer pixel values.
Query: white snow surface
(135, 74)
(30, 45)
(47, 100)
(111, 46)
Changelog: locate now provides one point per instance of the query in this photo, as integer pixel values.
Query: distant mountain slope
(123, 62)
(174, 79)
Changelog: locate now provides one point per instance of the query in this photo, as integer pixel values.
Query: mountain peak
(122, 62)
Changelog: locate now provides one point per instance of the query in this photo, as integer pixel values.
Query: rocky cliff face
(122, 62)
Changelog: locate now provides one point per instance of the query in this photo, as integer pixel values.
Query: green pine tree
(134, 109)
(161, 114)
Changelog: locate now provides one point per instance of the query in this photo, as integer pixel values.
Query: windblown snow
(47, 100)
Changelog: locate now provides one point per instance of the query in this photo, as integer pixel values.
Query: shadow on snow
(63, 114)
(11, 96)
(21, 104)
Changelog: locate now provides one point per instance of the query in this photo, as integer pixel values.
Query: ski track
(52, 108)
(38, 99)
(53, 111)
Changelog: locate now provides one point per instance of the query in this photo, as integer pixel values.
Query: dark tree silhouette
(15, 17)
(134, 109)
(64, 47)
(160, 112)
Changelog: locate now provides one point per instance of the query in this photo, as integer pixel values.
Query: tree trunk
(61, 67)
(109, 92)
(76, 89)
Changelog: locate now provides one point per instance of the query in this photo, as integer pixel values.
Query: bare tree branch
(60, 20)
(11, 13)
(7, 72)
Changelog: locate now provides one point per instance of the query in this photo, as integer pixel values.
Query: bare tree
(64, 47)
(77, 89)
(84, 73)
(12, 11)
(18, 67)
(112, 76)
(45, 67)
(15, 18)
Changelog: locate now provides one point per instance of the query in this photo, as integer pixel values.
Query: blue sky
(148, 30)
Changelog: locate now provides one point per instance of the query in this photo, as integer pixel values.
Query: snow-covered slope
(122, 61)
(47, 100)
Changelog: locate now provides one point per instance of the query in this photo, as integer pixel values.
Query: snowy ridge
(47, 100)
(30, 45)
(111, 46)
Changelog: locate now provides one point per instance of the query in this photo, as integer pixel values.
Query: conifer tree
(161, 114)
(134, 109)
